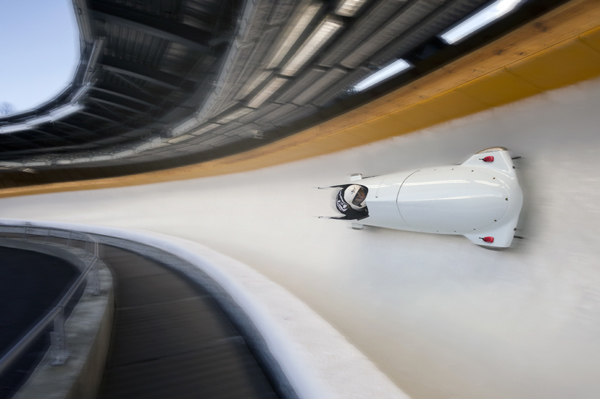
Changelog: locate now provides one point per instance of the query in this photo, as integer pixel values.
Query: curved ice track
(441, 316)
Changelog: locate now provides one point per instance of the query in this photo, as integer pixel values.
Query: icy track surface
(441, 316)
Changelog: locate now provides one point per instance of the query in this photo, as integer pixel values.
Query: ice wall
(438, 314)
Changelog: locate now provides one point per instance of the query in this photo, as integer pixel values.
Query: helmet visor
(360, 197)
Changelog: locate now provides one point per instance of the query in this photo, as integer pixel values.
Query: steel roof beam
(54, 136)
(129, 95)
(47, 150)
(83, 21)
(97, 116)
(17, 137)
(159, 78)
(188, 36)
(117, 105)
(75, 127)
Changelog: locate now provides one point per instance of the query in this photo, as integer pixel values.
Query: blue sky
(39, 50)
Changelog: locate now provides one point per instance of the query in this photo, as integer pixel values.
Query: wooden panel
(562, 65)
(499, 88)
(454, 104)
(592, 38)
(419, 116)
(382, 128)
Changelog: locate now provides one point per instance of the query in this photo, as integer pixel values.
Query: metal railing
(58, 347)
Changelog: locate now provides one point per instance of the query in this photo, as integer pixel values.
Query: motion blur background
(440, 316)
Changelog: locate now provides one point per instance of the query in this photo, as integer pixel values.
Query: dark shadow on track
(171, 340)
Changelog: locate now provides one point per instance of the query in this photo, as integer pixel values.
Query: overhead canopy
(174, 82)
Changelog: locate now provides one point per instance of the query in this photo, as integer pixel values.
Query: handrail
(59, 345)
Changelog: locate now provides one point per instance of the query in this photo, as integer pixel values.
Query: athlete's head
(355, 196)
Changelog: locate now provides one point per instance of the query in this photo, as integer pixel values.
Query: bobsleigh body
(480, 199)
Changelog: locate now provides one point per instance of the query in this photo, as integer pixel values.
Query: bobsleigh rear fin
(496, 158)
(498, 238)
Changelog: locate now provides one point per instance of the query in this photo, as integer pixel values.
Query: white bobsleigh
(480, 199)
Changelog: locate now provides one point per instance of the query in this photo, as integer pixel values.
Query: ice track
(441, 316)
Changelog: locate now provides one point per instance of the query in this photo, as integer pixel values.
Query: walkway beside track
(171, 340)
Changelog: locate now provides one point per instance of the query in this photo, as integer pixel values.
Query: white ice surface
(442, 317)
